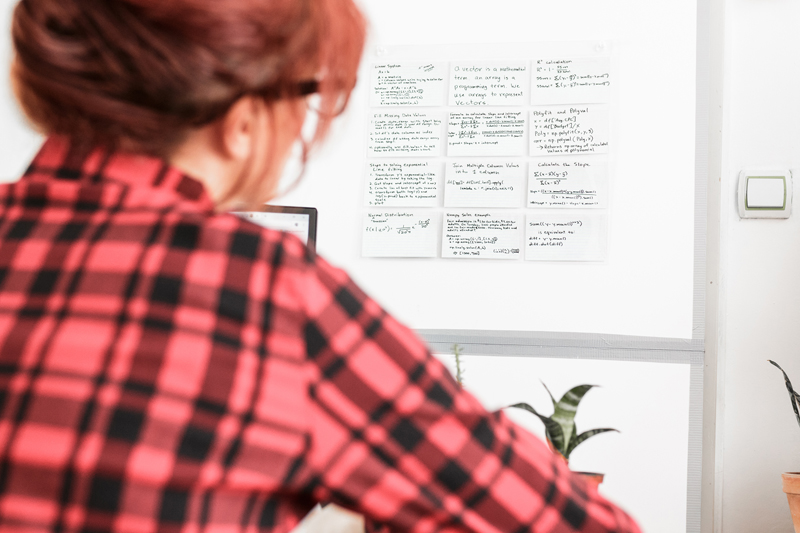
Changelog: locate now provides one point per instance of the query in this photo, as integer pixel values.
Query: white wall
(18, 143)
(759, 274)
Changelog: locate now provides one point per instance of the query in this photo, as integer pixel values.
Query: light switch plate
(765, 193)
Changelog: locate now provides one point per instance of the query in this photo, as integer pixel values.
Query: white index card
(405, 134)
(583, 80)
(407, 84)
(488, 83)
(481, 234)
(411, 233)
(566, 237)
(483, 183)
(568, 182)
(482, 133)
(569, 129)
(403, 183)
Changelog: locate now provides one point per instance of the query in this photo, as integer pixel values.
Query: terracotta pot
(594, 479)
(791, 486)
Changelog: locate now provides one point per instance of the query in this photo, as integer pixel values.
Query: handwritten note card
(407, 84)
(481, 235)
(482, 133)
(584, 80)
(569, 129)
(579, 237)
(568, 183)
(486, 183)
(488, 83)
(400, 234)
(403, 183)
(405, 134)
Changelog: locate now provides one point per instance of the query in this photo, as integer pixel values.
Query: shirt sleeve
(395, 438)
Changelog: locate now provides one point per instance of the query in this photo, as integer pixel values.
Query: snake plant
(795, 398)
(562, 434)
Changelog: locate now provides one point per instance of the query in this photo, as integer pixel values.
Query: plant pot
(791, 486)
(594, 479)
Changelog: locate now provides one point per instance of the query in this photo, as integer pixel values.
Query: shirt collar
(59, 159)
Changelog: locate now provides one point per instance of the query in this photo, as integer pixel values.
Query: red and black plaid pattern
(166, 368)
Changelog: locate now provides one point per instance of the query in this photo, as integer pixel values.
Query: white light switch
(765, 193)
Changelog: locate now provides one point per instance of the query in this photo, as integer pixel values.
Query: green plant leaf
(566, 408)
(552, 399)
(459, 370)
(552, 428)
(792, 394)
(585, 435)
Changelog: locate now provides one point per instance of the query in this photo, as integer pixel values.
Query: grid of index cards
(499, 159)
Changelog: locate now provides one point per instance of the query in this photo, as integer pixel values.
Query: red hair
(139, 74)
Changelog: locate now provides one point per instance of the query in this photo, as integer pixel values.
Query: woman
(166, 366)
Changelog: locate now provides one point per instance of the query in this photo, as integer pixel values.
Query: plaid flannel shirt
(167, 368)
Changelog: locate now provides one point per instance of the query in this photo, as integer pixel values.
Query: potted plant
(560, 429)
(791, 480)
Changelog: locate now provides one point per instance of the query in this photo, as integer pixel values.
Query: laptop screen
(299, 221)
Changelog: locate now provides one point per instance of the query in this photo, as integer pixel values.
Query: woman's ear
(236, 129)
(241, 155)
